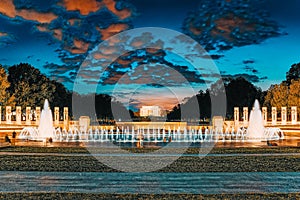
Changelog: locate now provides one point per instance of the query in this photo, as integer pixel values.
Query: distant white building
(154, 111)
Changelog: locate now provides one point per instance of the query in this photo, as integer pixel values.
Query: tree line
(242, 93)
(23, 85)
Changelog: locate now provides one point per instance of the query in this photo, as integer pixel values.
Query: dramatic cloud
(248, 77)
(144, 66)
(6, 39)
(86, 7)
(223, 24)
(76, 25)
(7, 7)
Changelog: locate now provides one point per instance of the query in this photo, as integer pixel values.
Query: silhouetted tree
(62, 97)
(241, 93)
(30, 87)
(293, 73)
(175, 114)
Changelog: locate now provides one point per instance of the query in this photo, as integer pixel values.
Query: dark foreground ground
(278, 159)
(63, 159)
(80, 196)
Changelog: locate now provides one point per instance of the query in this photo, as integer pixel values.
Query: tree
(105, 107)
(31, 88)
(5, 97)
(294, 93)
(204, 104)
(175, 114)
(293, 73)
(62, 97)
(240, 93)
(277, 96)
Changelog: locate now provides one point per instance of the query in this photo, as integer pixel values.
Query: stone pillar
(18, 115)
(265, 114)
(236, 116)
(274, 115)
(37, 115)
(294, 114)
(283, 115)
(56, 116)
(245, 116)
(28, 115)
(66, 117)
(0, 114)
(8, 114)
(84, 123)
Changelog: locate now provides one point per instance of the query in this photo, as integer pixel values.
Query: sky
(258, 40)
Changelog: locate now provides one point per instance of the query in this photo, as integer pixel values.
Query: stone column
(37, 115)
(265, 114)
(28, 115)
(66, 117)
(0, 114)
(18, 114)
(274, 115)
(8, 114)
(245, 116)
(294, 114)
(56, 116)
(283, 115)
(236, 116)
(84, 123)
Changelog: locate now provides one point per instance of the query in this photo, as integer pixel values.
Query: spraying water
(256, 124)
(45, 129)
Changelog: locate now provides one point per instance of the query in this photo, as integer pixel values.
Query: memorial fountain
(45, 129)
(255, 131)
(256, 127)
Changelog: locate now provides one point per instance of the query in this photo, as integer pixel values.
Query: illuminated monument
(154, 111)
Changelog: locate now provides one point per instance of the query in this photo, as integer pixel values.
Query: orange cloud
(85, 7)
(86, 63)
(81, 45)
(36, 16)
(123, 62)
(99, 56)
(42, 28)
(112, 30)
(78, 47)
(111, 5)
(8, 8)
(225, 25)
(194, 30)
(57, 33)
(137, 43)
(3, 34)
(73, 21)
(114, 78)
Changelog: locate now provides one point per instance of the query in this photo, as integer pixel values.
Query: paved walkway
(150, 183)
(112, 154)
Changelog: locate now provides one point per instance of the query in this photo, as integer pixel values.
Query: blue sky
(57, 35)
